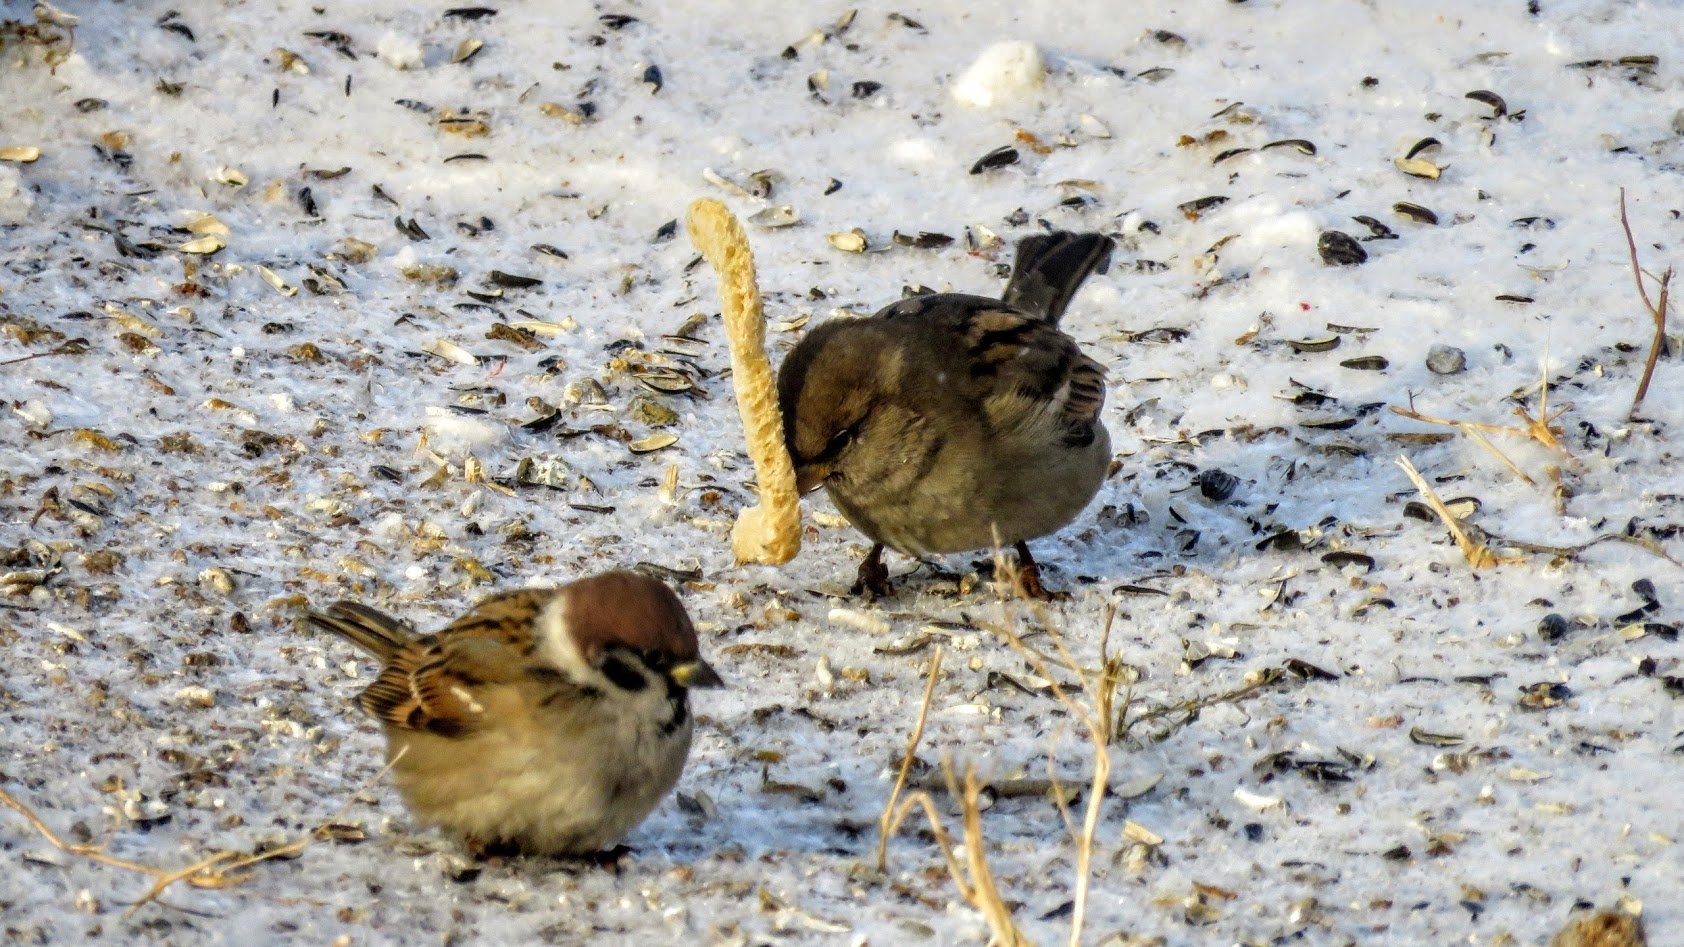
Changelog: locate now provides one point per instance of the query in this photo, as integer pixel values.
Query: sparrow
(543, 721)
(948, 422)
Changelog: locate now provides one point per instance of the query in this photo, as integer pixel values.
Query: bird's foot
(609, 859)
(492, 851)
(1028, 578)
(873, 580)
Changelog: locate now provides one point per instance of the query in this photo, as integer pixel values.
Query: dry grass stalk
(1098, 721)
(1657, 310)
(886, 820)
(972, 874)
(1540, 428)
(216, 871)
(1479, 555)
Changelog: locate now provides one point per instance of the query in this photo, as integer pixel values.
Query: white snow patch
(15, 199)
(458, 435)
(400, 51)
(1005, 71)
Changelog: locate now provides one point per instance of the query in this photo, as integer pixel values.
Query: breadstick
(769, 532)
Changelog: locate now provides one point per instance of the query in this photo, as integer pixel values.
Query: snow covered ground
(202, 444)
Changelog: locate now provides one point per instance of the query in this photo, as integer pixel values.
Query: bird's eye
(622, 673)
(838, 443)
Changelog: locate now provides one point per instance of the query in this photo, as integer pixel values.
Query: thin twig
(198, 874)
(1479, 556)
(213, 871)
(73, 347)
(884, 821)
(1191, 707)
(1657, 312)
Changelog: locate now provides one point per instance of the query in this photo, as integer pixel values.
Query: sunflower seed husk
(782, 215)
(998, 158)
(207, 224)
(1425, 144)
(1366, 363)
(1338, 248)
(210, 243)
(1419, 167)
(1216, 484)
(1415, 212)
(1326, 344)
(1499, 107)
(513, 281)
(275, 281)
(850, 241)
(466, 50)
(572, 116)
(652, 443)
(922, 240)
(666, 381)
(450, 352)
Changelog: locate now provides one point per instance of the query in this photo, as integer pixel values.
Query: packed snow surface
(306, 301)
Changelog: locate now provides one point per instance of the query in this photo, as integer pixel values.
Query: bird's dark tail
(1051, 267)
(369, 629)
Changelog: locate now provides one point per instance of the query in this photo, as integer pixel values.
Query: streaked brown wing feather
(1026, 365)
(1086, 397)
(507, 617)
(420, 690)
(432, 683)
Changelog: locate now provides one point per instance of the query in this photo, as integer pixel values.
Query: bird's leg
(874, 575)
(494, 850)
(1029, 574)
(609, 859)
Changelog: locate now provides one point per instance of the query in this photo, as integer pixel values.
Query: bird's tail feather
(372, 630)
(1051, 267)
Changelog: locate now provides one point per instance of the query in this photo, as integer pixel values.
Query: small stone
(1446, 360)
(1338, 248)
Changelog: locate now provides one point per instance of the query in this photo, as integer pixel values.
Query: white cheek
(555, 642)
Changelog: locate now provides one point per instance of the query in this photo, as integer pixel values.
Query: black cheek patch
(623, 675)
(676, 698)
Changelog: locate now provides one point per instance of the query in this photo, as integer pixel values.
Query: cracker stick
(769, 532)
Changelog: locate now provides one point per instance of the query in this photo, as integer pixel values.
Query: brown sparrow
(548, 721)
(949, 422)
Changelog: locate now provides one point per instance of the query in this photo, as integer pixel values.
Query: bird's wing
(1020, 370)
(441, 683)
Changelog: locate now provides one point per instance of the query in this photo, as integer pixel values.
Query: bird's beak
(809, 478)
(697, 673)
